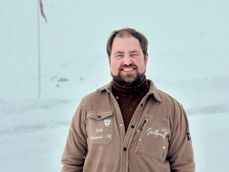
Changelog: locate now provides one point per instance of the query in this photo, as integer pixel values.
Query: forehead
(125, 43)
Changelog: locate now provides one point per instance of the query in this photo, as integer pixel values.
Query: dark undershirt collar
(141, 87)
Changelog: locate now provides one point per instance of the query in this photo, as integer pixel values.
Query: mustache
(130, 65)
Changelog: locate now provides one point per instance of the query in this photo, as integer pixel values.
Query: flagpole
(38, 50)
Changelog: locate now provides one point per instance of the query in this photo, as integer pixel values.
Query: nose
(127, 60)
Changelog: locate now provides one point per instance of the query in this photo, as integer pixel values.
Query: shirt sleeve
(76, 145)
(180, 153)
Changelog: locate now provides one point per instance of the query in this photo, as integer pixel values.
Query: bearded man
(128, 125)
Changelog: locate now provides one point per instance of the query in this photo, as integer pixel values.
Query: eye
(134, 54)
(117, 56)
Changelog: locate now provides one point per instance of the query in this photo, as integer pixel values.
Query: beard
(129, 80)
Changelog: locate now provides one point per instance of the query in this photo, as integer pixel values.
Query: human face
(127, 61)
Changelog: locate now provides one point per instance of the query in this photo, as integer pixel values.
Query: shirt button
(124, 149)
(132, 126)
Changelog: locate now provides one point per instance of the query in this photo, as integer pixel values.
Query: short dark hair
(127, 32)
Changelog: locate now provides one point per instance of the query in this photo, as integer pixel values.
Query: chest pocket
(153, 139)
(100, 127)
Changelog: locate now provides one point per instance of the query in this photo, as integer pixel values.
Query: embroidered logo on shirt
(107, 122)
(163, 133)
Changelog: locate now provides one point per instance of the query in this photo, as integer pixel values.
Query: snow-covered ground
(33, 132)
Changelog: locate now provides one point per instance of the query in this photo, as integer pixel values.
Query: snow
(188, 50)
(33, 132)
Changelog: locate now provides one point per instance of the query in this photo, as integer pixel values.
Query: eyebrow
(118, 52)
(134, 51)
(131, 52)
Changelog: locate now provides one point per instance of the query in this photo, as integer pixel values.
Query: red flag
(42, 10)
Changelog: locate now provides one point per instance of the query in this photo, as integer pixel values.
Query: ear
(146, 58)
(109, 59)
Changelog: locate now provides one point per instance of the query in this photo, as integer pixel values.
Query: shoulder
(169, 100)
(98, 93)
(98, 99)
(167, 103)
(164, 98)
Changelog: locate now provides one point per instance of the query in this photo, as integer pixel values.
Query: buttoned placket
(127, 137)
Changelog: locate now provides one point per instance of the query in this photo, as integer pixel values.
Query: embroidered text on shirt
(162, 133)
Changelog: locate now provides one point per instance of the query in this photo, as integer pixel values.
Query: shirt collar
(154, 91)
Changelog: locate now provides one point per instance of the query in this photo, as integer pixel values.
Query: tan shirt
(157, 139)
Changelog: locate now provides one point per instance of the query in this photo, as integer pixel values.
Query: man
(128, 125)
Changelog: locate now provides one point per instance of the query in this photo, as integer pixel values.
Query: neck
(133, 88)
(135, 83)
